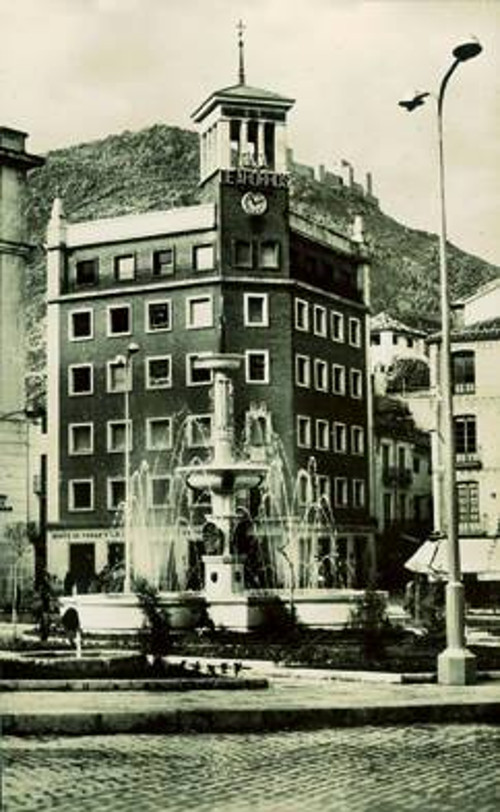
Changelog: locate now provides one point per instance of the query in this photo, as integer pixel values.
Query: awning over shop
(479, 556)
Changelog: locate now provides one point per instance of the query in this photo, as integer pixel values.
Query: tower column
(261, 145)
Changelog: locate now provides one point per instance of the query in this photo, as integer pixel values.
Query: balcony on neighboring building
(393, 476)
(469, 461)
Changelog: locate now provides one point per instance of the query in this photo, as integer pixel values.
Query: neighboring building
(391, 340)
(402, 485)
(19, 454)
(240, 273)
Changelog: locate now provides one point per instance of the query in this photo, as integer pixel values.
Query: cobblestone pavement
(403, 769)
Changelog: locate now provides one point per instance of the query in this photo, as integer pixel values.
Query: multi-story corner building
(241, 273)
(475, 348)
(19, 439)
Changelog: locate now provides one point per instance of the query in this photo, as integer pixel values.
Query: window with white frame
(304, 490)
(339, 438)
(118, 379)
(203, 257)
(199, 430)
(87, 272)
(337, 325)
(358, 493)
(117, 434)
(303, 431)
(81, 494)
(354, 332)
(269, 254)
(199, 312)
(159, 372)
(158, 433)
(341, 495)
(302, 370)
(301, 315)
(319, 320)
(124, 267)
(119, 320)
(322, 435)
(256, 313)
(338, 379)
(80, 379)
(197, 375)
(324, 487)
(81, 438)
(465, 428)
(357, 440)
(159, 316)
(320, 375)
(163, 262)
(81, 325)
(356, 383)
(116, 492)
(159, 490)
(468, 503)
(257, 366)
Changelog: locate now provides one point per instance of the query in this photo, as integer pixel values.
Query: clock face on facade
(254, 203)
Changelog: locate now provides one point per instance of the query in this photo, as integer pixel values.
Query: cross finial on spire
(241, 47)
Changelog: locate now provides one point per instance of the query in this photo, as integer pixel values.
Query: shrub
(369, 618)
(45, 605)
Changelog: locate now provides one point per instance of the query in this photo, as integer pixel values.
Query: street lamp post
(456, 665)
(126, 362)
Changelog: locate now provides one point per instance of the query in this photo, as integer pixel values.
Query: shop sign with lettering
(114, 534)
(254, 178)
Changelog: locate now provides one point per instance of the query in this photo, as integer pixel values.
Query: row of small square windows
(257, 368)
(81, 492)
(264, 254)
(198, 431)
(199, 314)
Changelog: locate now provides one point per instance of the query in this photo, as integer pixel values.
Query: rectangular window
(338, 379)
(242, 254)
(320, 375)
(81, 325)
(199, 312)
(319, 320)
(401, 458)
(303, 431)
(116, 492)
(301, 315)
(387, 508)
(116, 435)
(117, 379)
(203, 257)
(324, 487)
(81, 494)
(341, 497)
(257, 366)
(358, 493)
(80, 438)
(163, 262)
(159, 372)
(337, 326)
(256, 312)
(402, 507)
(158, 316)
(269, 254)
(199, 430)
(468, 503)
(86, 272)
(354, 332)
(119, 321)
(339, 438)
(357, 440)
(195, 374)
(322, 435)
(302, 370)
(375, 339)
(159, 490)
(463, 372)
(80, 379)
(465, 435)
(124, 268)
(158, 433)
(356, 383)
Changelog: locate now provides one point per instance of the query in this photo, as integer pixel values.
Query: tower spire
(241, 49)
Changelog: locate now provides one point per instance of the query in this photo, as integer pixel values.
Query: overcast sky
(77, 70)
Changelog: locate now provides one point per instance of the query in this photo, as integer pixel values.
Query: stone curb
(246, 720)
(174, 684)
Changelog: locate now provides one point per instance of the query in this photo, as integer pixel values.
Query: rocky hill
(158, 168)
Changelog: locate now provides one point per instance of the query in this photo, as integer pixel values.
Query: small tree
(20, 536)
(46, 603)
(155, 630)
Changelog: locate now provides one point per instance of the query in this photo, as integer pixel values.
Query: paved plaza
(394, 769)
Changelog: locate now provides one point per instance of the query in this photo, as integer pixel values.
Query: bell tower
(242, 127)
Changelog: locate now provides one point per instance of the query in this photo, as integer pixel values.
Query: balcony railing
(468, 460)
(400, 477)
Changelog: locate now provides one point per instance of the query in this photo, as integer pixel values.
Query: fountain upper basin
(224, 478)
